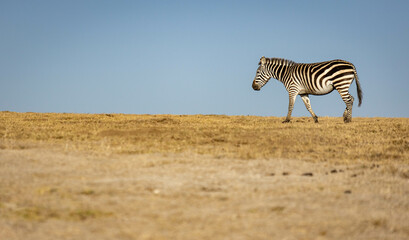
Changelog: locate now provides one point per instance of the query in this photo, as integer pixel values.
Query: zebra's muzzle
(255, 86)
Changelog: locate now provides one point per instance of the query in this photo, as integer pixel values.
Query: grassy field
(117, 176)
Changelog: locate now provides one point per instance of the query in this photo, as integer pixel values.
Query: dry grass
(115, 176)
(244, 137)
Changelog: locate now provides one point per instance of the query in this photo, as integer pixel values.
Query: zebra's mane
(280, 61)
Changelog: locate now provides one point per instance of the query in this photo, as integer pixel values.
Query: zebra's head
(262, 75)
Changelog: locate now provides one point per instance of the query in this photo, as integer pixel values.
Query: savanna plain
(120, 176)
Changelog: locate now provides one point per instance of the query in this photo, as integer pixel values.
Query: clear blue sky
(196, 57)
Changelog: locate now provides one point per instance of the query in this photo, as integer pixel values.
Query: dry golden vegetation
(117, 176)
(243, 137)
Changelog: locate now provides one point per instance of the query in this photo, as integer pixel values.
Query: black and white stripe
(310, 78)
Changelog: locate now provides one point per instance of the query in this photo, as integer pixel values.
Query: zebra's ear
(262, 60)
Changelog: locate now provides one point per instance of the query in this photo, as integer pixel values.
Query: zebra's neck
(278, 67)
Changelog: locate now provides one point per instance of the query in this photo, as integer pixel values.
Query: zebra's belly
(318, 91)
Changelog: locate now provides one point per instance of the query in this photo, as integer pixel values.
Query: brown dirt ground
(114, 176)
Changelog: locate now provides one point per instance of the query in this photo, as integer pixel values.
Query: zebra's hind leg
(349, 101)
(307, 103)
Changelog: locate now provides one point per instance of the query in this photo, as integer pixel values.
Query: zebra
(310, 78)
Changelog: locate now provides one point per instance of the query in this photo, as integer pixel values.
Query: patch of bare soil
(49, 193)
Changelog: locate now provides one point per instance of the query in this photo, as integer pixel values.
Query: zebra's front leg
(290, 108)
(307, 103)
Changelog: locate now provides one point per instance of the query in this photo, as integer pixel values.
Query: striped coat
(310, 78)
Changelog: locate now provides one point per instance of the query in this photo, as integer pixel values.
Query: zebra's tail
(358, 87)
